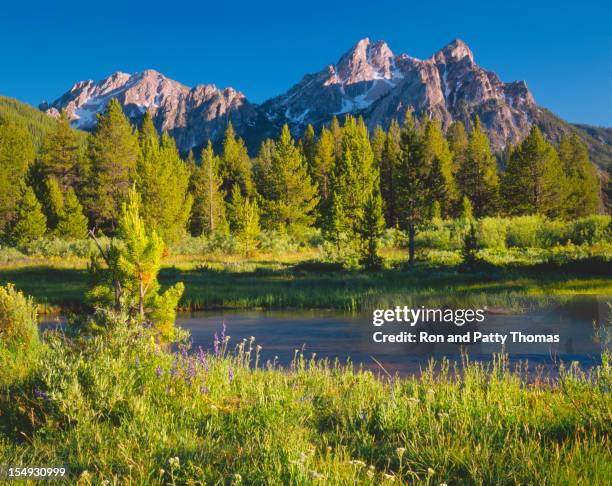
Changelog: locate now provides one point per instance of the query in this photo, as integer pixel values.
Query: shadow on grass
(316, 285)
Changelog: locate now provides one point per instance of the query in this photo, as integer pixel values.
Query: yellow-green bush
(18, 318)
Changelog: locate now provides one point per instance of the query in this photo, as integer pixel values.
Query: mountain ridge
(369, 80)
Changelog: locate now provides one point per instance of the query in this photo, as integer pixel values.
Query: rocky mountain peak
(365, 62)
(453, 52)
(369, 81)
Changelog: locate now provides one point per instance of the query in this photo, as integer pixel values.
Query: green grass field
(279, 284)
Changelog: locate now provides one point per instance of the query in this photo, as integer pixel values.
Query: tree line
(349, 183)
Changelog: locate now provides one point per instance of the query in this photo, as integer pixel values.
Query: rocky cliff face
(369, 80)
(190, 115)
(373, 82)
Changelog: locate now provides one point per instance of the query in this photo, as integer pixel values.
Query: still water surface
(334, 335)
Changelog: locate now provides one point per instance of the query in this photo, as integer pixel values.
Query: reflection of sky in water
(334, 335)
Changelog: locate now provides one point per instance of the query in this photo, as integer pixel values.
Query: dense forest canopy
(346, 181)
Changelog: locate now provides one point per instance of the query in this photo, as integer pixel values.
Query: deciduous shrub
(18, 319)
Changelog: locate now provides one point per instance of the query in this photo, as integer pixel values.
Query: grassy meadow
(116, 408)
(299, 280)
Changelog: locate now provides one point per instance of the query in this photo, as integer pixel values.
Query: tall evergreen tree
(208, 212)
(235, 164)
(244, 218)
(262, 166)
(148, 138)
(583, 196)
(434, 147)
(324, 162)
(16, 155)
(163, 182)
(353, 179)
(61, 155)
(114, 152)
(389, 173)
(308, 145)
(290, 198)
(72, 222)
(378, 145)
(371, 227)
(458, 144)
(52, 201)
(534, 181)
(477, 174)
(30, 222)
(414, 195)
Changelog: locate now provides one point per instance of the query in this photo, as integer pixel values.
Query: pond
(335, 335)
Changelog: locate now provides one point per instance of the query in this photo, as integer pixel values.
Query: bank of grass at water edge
(60, 286)
(116, 407)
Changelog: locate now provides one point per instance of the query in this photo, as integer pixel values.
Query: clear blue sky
(562, 49)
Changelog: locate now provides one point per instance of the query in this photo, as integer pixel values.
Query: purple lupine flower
(363, 414)
(216, 345)
(159, 372)
(203, 360)
(192, 368)
(174, 369)
(137, 362)
(41, 393)
(204, 390)
(230, 374)
(223, 333)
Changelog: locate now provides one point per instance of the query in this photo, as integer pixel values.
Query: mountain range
(369, 81)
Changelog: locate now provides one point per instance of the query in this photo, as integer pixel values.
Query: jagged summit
(368, 80)
(455, 51)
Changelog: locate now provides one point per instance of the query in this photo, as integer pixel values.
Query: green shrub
(18, 319)
(590, 230)
(436, 235)
(551, 233)
(492, 232)
(522, 231)
(57, 247)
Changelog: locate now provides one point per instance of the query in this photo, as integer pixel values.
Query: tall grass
(115, 407)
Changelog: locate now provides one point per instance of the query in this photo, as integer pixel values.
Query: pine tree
(324, 162)
(61, 155)
(127, 274)
(467, 213)
(308, 146)
(244, 216)
(414, 195)
(262, 166)
(477, 174)
(434, 147)
(148, 138)
(290, 198)
(52, 201)
(190, 160)
(72, 222)
(336, 131)
(583, 196)
(389, 173)
(208, 211)
(371, 228)
(533, 182)
(30, 222)
(379, 140)
(16, 156)
(114, 152)
(353, 179)
(163, 182)
(235, 164)
(458, 144)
